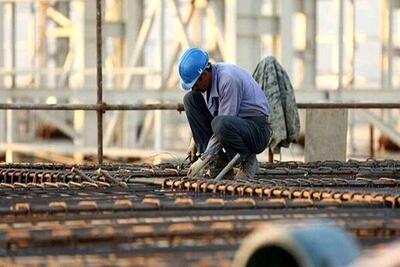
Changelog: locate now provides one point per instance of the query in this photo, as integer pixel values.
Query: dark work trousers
(243, 135)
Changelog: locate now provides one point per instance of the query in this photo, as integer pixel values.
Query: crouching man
(227, 113)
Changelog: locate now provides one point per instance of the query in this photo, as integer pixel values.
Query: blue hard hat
(192, 64)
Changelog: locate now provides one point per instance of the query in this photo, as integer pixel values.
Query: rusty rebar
(99, 82)
(70, 209)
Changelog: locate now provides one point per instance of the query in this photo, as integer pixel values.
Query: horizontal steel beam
(348, 105)
(179, 107)
(30, 1)
(88, 95)
(93, 107)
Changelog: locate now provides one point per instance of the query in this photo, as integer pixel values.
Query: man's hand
(191, 151)
(195, 168)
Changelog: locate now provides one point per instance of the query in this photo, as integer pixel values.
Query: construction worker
(227, 113)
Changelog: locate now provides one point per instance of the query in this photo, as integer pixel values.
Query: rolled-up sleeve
(213, 147)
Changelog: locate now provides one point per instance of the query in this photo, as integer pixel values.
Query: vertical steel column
(387, 50)
(99, 82)
(158, 119)
(62, 45)
(231, 30)
(2, 42)
(133, 18)
(387, 43)
(197, 26)
(310, 61)
(352, 51)
(275, 37)
(78, 78)
(248, 38)
(242, 37)
(341, 44)
(371, 141)
(42, 48)
(286, 34)
(10, 132)
(13, 45)
(2, 65)
(352, 41)
(113, 14)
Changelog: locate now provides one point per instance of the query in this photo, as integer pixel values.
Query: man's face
(203, 83)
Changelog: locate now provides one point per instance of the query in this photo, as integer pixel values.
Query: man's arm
(229, 104)
(213, 147)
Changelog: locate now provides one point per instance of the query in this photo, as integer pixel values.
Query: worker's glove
(196, 168)
(191, 151)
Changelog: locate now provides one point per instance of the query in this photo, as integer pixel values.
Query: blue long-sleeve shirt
(233, 92)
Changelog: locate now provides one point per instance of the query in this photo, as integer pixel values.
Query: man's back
(230, 79)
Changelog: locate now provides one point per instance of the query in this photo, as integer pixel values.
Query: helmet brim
(189, 86)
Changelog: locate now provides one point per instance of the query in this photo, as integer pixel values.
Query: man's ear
(208, 73)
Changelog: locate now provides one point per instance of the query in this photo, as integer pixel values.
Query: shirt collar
(214, 86)
(214, 82)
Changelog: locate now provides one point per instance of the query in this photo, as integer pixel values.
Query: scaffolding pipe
(103, 107)
(94, 107)
(99, 84)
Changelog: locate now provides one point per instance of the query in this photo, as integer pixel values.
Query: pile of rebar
(124, 214)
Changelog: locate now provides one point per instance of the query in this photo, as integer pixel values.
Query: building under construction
(94, 135)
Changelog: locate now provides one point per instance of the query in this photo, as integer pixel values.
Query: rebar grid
(155, 211)
(101, 106)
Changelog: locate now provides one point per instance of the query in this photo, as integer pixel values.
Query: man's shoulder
(222, 66)
(227, 70)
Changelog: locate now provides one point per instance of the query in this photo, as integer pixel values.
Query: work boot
(217, 165)
(248, 168)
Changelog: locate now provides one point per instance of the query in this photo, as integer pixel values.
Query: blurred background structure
(76, 213)
(334, 51)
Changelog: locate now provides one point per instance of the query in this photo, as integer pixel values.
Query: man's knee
(221, 125)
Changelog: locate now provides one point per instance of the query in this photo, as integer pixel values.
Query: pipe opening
(272, 256)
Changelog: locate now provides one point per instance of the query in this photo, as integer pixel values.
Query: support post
(10, 118)
(371, 141)
(286, 33)
(158, 122)
(310, 61)
(2, 66)
(326, 135)
(230, 30)
(99, 81)
(242, 38)
(133, 17)
(387, 43)
(2, 30)
(341, 44)
(84, 121)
